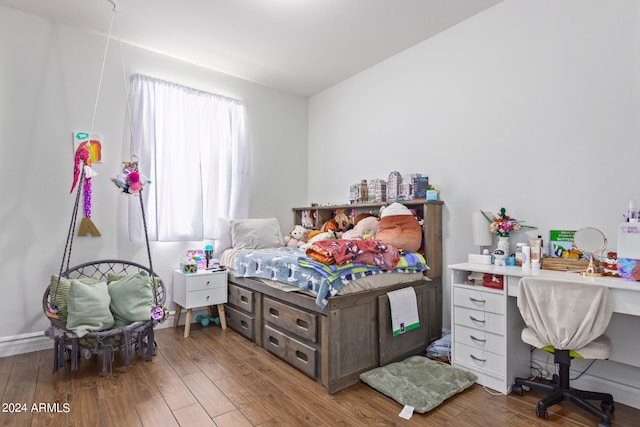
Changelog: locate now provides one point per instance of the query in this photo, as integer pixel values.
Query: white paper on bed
(404, 310)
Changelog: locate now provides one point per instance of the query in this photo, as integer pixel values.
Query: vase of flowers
(503, 225)
(504, 244)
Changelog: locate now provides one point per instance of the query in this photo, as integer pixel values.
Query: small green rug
(419, 382)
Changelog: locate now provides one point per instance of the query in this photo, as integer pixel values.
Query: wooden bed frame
(353, 333)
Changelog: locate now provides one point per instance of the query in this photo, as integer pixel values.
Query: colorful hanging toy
(82, 162)
(130, 180)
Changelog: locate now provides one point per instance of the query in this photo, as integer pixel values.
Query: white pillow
(255, 233)
(223, 237)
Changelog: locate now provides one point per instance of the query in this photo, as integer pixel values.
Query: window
(193, 146)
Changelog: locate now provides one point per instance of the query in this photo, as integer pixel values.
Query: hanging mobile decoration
(130, 180)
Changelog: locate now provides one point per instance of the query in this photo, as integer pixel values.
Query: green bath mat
(419, 382)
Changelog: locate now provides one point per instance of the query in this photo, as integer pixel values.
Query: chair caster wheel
(517, 389)
(542, 413)
(608, 407)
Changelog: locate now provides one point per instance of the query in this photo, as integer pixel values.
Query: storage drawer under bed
(241, 298)
(240, 322)
(294, 352)
(294, 320)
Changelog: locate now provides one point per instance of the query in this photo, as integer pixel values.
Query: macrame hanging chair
(136, 336)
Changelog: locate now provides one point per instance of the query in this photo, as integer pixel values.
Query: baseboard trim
(36, 341)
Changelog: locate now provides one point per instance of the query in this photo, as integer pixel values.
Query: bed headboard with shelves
(429, 210)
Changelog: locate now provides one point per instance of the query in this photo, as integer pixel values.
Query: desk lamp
(482, 237)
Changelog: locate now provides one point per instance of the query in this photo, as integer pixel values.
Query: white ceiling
(300, 46)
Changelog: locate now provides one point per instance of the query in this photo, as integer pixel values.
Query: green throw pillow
(132, 298)
(88, 308)
(61, 298)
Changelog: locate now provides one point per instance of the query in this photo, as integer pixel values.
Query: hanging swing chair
(106, 306)
(78, 294)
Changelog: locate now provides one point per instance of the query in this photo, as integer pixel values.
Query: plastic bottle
(526, 256)
(519, 254)
(629, 240)
(536, 252)
(632, 212)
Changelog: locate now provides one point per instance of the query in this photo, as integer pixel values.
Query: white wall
(48, 81)
(530, 105)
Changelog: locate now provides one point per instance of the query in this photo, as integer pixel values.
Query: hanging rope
(66, 257)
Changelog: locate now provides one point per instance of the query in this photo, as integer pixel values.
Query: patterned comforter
(292, 266)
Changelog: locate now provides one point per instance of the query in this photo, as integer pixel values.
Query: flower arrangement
(502, 224)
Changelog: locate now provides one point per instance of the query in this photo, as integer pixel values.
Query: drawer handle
(208, 283)
(302, 324)
(477, 359)
(477, 300)
(274, 341)
(274, 312)
(476, 320)
(207, 297)
(244, 299)
(300, 355)
(244, 324)
(477, 339)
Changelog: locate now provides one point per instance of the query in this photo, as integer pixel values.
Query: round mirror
(590, 240)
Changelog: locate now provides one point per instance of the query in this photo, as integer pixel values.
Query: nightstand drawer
(479, 299)
(479, 359)
(478, 319)
(206, 297)
(479, 339)
(198, 282)
(241, 298)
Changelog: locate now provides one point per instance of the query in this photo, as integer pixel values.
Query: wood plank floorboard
(218, 378)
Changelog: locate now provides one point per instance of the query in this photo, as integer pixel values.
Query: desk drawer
(240, 322)
(241, 297)
(197, 282)
(479, 339)
(478, 319)
(296, 321)
(479, 359)
(206, 297)
(478, 299)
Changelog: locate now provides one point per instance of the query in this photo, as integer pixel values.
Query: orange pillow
(402, 231)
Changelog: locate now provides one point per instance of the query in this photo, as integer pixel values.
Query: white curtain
(194, 148)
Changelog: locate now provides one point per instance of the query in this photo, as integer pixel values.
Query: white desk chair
(567, 319)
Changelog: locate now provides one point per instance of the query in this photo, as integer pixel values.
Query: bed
(332, 333)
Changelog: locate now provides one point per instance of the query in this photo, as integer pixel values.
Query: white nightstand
(202, 289)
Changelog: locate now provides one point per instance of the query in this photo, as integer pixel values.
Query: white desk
(486, 323)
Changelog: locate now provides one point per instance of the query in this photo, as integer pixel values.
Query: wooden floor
(218, 378)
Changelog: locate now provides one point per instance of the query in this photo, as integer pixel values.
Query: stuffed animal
(297, 237)
(366, 227)
(400, 228)
(316, 236)
(340, 222)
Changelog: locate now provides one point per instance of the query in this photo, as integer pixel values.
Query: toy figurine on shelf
(611, 264)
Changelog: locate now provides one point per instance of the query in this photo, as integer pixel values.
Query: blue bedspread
(291, 266)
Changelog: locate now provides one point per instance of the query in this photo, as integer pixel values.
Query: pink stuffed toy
(134, 181)
(366, 227)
